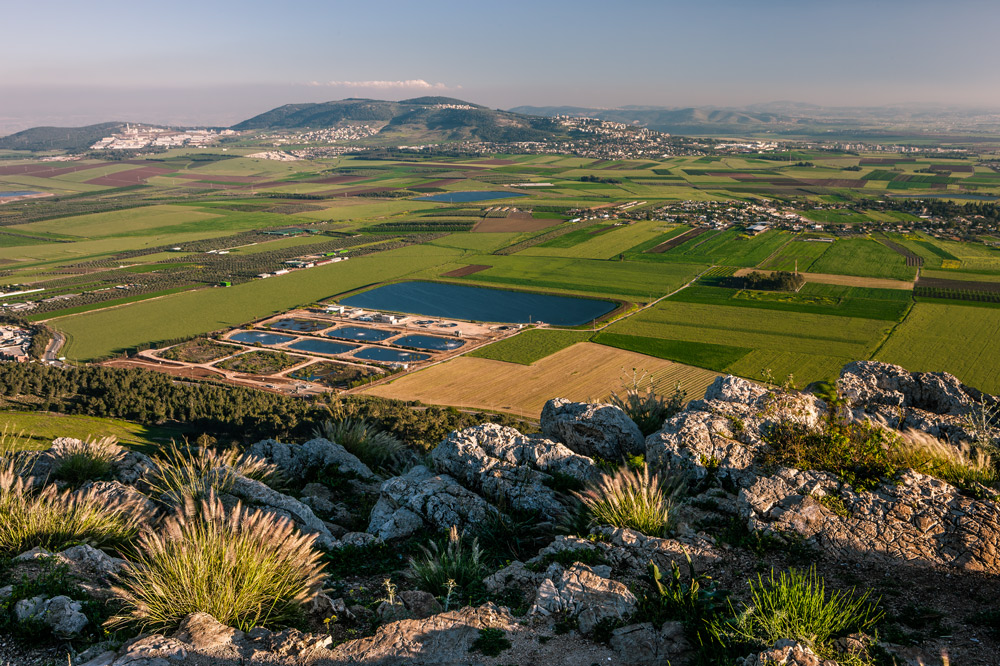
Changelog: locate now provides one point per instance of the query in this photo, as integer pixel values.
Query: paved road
(51, 354)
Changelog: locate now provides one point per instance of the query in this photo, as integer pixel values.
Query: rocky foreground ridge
(926, 548)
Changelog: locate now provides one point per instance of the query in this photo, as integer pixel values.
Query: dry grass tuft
(632, 498)
(86, 460)
(961, 465)
(197, 472)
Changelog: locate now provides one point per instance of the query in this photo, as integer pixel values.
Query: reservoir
(427, 342)
(456, 301)
(321, 346)
(253, 337)
(360, 333)
(389, 355)
(468, 197)
(301, 325)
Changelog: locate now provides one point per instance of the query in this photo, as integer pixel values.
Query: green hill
(58, 138)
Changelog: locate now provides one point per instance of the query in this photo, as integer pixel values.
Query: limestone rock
(600, 430)
(507, 467)
(297, 460)
(786, 653)
(646, 645)
(204, 632)
(439, 640)
(63, 615)
(583, 594)
(421, 498)
(259, 495)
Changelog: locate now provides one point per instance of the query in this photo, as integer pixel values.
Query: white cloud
(418, 84)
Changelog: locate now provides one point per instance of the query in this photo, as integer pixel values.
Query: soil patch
(475, 268)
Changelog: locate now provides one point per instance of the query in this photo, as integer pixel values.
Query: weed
(491, 642)
(834, 503)
(86, 460)
(961, 465)
(647, 409)
(55, 520)
(695, 602)
(795, 605)
(634, 499)
(244, 568)
(199, 472)
(454, 563)
(376, 448)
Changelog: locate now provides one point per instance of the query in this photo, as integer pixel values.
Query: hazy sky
(220, 61)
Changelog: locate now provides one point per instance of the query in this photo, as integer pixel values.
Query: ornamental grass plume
(961, 465)
(56, 520)
(86, 460)
(198, 472)
(245, 568)
(631, 498)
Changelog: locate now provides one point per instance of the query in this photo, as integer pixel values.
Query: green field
(588, 276)
(530, 346)
(962, 340)
(728, 248)
(607, 245)
(814, 298)
(36, 430)
(863, 257)
(797, 254)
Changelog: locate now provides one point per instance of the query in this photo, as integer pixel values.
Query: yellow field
(584, 371)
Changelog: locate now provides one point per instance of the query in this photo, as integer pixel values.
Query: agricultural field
(34, 431)
(140, 253)
(963, 340)
(200, 350)
(260, 362)
(584, 371)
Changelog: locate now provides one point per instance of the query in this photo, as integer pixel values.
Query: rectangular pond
(360, 333)
(263, 337)
(428, 342)
(438, 299)
(300, 325)
(321, 346)
(469, 197)
(389, 355)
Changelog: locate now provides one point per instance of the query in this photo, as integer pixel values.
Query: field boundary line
(776, 252)
(892, 331)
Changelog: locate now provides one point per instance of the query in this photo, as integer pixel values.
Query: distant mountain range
(71, 139)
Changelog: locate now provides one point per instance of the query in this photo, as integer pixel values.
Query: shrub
(632, 498)
(55, 520)
(440, 570)
(491, 642)
(376, 448)
(795, 605)
(960, 465)
(857, 452)
(197, 472)
(648, 410)
(245, 568)
(85, 460)
(696, 602)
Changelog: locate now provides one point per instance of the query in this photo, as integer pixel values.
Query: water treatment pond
(321, 346)
(468, 197)
(427, 342)
(360, 333)
(457, 301)
(389, 355)
(301, 325)
(253, 337)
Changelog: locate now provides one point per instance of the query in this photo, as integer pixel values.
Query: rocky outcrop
(509, 468)
(420, 499)
(786, 652)
(581, 592)
(297, 461)
(647, 645)
(594, 430)
(918, 520)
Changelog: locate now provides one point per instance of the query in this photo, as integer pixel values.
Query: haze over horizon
(218, 63)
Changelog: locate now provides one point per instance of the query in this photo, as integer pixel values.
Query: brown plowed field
(336, 180)
(677, 240)
(911, 258)
(131, 177)
(466, 270)
(961, 285)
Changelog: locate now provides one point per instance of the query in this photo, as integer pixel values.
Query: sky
(216, 62)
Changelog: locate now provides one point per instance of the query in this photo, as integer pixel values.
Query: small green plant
(512, 535)
(454, 563)
(491, 642)
(834, 503)
(961, 465)
(795, 605)
(647, 409)
(86, 460)
(244, 568)
(635, 499)
(696, 601)
(56, 520)
(197, 472)
(376, 448)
